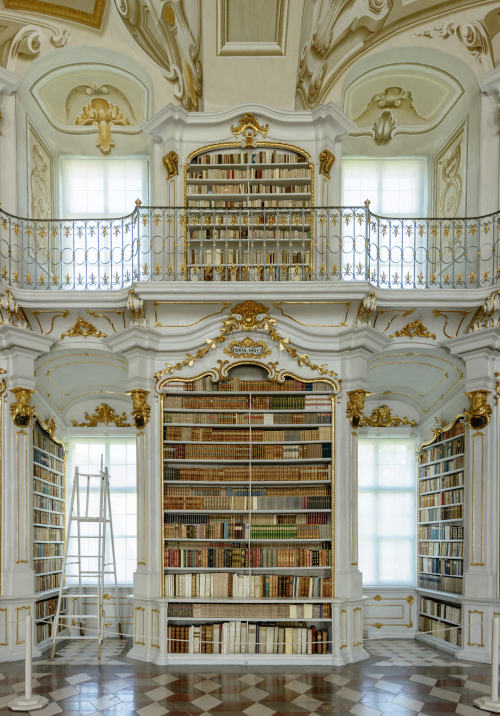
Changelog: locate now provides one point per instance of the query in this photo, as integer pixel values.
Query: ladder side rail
(55, 621)
(117, 599)
(102, 551)
(79, 551)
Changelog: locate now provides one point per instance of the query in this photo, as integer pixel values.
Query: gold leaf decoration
(105, 414)
(382, 417)
(412, 330)
(247, 348)
(479, 411)
(83, 328)
(101, 113)
(326, 159)
(249, 127)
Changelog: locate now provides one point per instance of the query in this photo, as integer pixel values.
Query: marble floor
(401, 678)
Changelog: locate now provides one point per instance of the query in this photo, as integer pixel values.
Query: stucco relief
(449, 168)
(39, 181)
(23, 39)
(472, 35)
(387, 109)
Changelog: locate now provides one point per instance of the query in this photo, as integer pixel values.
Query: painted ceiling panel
(87, 12)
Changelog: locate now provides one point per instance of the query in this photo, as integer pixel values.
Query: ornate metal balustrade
(339, 244)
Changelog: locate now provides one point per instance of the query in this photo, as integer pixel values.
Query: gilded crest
(104, 414)
(247, 348)
(249, 127)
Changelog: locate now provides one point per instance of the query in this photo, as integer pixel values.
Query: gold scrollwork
(105, 414)
(382, 417)
(355, 405)
(101, 113)
(171, 164)
(247, 348)
(326, 159)
(141, 409)
(20, 409)
(83, 328)
(479, 412)
(248, 315)
(412, 330)
(249, 127)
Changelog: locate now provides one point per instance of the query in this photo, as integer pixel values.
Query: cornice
(487, 339)
(12, 337)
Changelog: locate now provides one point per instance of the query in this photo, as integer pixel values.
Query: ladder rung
(77, 636)
(87, 519)
(82, 594)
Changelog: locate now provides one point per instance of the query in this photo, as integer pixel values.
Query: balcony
(320, 244)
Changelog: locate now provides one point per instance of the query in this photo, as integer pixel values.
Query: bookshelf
(441, 487)
(260, 228)
(48, 496)
(248, 529)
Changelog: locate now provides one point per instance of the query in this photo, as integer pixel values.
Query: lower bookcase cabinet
(441, 620)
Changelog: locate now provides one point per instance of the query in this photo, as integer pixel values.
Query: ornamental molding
(326, 159)
(83, 328)
(412, 330)
(170, 40)
(485, 316)
(382, 417)
(355, 404)
(248, 316)
(366, 308)
(479, 412)
(248, 348)
(135, 306)
(28, 37)
(171, 164)
(20, 409)
(141, 408)
(101, 113)
(472, 35)
(249, 127)
(17, 316)
(104, 414)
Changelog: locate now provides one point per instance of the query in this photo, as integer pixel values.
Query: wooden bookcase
(48, 525)
(441, 487)
(260, 228)
(248, 521)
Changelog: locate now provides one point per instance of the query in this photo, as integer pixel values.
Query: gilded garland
(247, 316)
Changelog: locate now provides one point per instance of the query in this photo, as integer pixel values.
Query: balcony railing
(328, 244)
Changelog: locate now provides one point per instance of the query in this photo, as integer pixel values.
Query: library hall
(250, 357)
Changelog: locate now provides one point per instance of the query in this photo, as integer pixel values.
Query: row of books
(245, 189)
(43, 565)
(439, 583)
(48, 503)
(46, 489)
(457, 428)
(42, 440)
(250, 611)
(240, 531)
(45, 608)
(243, 473)
(227, 556)
(441, 565)
(440, 452)
(251, 491)
(246, 638)
(47, 581)
(246, 503)
(300, 518)
(318, 402)
(440, 630)
(41, 549)
(263, 156)
(246, 586)
(249, 418)
(437, 468)
(438, 514)
(441, 532)
(450, 497)
(48, 518)
(441, 549)
(44, 474)
(235, 451)
(55, 463)
(48, 534)
(442, 610)
(456, 479)
(249, 172)
(225, 435)
(245, 203)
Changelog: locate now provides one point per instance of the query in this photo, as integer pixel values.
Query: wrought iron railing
(329, 244)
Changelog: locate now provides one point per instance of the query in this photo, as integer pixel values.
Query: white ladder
(85, 487)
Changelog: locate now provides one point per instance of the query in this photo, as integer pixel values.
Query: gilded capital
(20, 409)
(141, 408)
(355, 405)
(479, 412)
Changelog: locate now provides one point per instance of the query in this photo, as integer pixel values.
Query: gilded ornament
(367, 306)
(136, 307)
(17, 317)
(412, 330)
(101, 113)
(382, 417)
(247, 348)
(171, 164)
(105, 414)
(83, 328)
(355, 405)
(249, 312)
(326, 159)
(497, 388)
(3, 384)
(479, 412)
(20, 409)
(141, 409)
(49, 424)
(485, 315)
(249, 127)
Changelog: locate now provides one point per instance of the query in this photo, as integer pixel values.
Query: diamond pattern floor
(401, 678)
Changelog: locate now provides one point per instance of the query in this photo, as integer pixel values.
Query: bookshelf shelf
(440, 534)
(261, 200)
(48, 494)
(278, 554)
